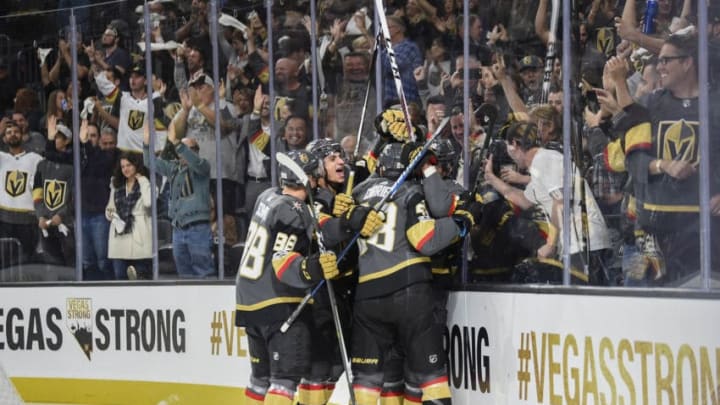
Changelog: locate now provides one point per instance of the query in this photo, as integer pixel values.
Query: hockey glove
(464, 220)
(365, 220)
(391, 125)
(343, 202)
(319, 266)
(474, 208)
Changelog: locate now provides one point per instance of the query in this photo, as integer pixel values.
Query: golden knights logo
(605, 41)
(16, 183)
(136, 118)
(282, 104)
(678, 140)
(78, 318)
(54, 192)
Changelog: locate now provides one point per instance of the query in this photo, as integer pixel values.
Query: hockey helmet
(323, 148)
(306, 160)
(395, 157)
(445, 154)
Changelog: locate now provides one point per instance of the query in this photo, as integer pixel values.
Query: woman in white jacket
(128, 209)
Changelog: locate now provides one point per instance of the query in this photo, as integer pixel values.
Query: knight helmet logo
(54, 193)
(136, 118)
(16, 183)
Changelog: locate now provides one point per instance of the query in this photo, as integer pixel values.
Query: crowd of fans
(635, 199)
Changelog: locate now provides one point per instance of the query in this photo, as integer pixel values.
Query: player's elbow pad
(421, 235)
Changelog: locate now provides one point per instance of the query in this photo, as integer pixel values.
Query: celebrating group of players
(388, 286)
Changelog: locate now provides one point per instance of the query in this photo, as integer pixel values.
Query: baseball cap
(138, 68)
(202, 79)
(64, 131)
(530, 62)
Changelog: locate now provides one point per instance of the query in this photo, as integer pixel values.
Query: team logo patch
(605, 42)
(136, 118)
(54, 193)
(433, 358)
(678, 140)
(16, 183)
(78, 316)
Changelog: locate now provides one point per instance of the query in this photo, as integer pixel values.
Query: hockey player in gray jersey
(393, 300)
(444, 198)
(279, 263)
(317, 387)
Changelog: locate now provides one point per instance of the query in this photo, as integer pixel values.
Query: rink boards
(167, 344)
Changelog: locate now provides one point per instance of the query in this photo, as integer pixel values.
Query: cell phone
(591, 97)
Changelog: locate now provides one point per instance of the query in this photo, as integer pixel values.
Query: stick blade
(290, 164)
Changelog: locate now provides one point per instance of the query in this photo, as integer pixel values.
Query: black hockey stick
(378, 206)
(367, 97)
(286, 161)
(489, 115)
(550, 55)
(380, 10)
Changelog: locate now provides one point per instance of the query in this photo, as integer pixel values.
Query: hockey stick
(367, 98)
(286, 161)
(380, 10)
(489, 113)
(550, 55)
(378, 206)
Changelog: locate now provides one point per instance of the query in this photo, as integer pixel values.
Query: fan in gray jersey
(393, 300)
(279, 263)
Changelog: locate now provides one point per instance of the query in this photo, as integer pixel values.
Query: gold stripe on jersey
(260, 139)
(282, 263)
(553, 262)
(110, 98)
(393, 269)
(440, 270)
(671, 208)
(420, 233)
(614, 156)
(13, 209)
(311, 394)
(366, 395)
(277, 397)
(37, 194)
(323, 218)
(267, 303)
(435, 389)
(638, 138)
(391, 398)
(453, 205)
(491, 271)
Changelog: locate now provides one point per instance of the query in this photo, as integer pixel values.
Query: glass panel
(643, 232)
(37, 236)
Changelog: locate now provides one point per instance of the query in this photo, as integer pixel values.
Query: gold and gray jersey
(443, 197)
(398, 254)
(269, 284)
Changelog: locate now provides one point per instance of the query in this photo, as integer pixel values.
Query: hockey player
(393, 300)
(318, 386)
(445, 198)
(278, 264)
